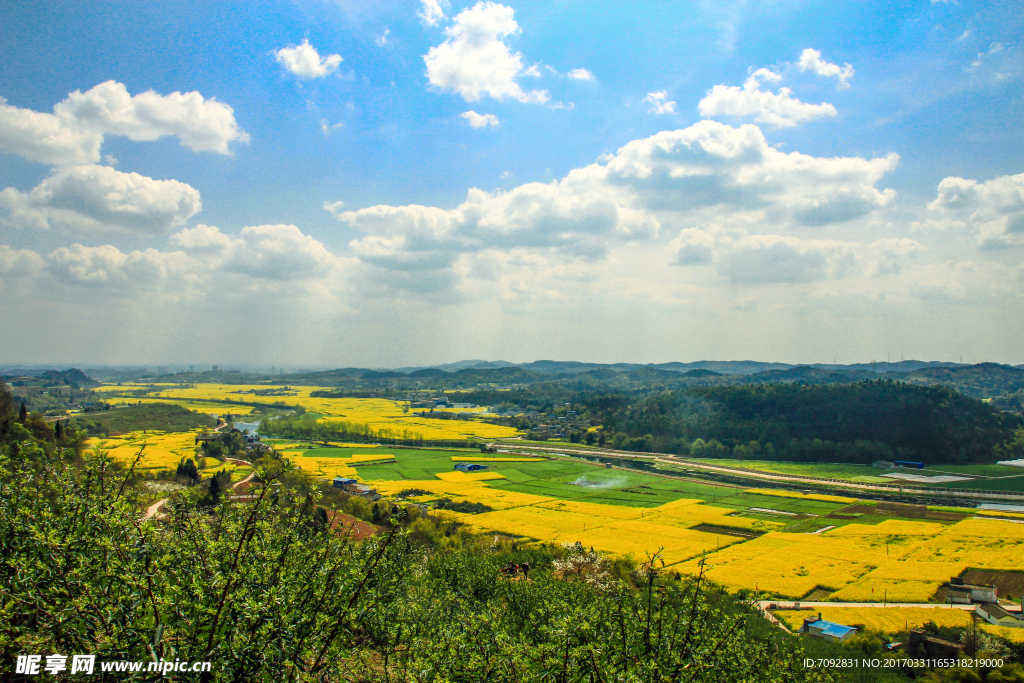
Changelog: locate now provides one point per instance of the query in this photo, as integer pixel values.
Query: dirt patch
(902, 510)
(359, 529)
(895, 510)
(242, 488)
(817, 595)
(857, 509)
(727, 531)
(946, 516)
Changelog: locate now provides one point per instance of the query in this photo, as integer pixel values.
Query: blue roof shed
(828, 630)
(470, 467)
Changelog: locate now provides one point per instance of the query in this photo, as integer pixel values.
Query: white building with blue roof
(826, 630)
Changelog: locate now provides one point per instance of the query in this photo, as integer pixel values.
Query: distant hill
(984, 380)
(810, 375)
(850, 422)
(72, 377)
(428, 372)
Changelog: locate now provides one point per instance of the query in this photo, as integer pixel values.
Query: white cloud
(581, 75)
(709, 172)
(748, 259)
(108, 267)
(810, 60)
(479, 120)
(384, 39)
(993, 209)
(271, 252)
(780, 109)
(661, 103)
(305, 62)
(74, 133)
(334, 208)
(432, 12)
(17, 265)
(202, 239)
(100, 199)
(326, 126)
(475, 61)
(711, 165)
(278, 252)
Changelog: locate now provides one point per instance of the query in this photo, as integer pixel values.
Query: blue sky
(398, 183)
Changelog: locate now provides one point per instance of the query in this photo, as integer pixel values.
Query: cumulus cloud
(384, 39)
(712, 164)
(707, 172)
(272, 252)
(479, 120)
(580, 75)
(108, 267)
(432, 12)
(749, 259)
(475, 61)
(993, 209)
(305, 62)
(661, 103)
(279, 252)
(810, 60)
(99, 199)
(202, 239)
(780, 110)
(17, 265)
(74, 133)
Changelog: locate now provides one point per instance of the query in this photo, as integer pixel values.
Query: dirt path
(154, 509)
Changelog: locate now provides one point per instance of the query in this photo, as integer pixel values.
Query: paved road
(791, 604)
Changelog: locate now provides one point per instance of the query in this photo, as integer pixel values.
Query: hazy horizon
(322, 183)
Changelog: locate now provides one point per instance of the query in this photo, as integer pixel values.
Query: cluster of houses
(548, 426)
(983, 596)
(252, 441)
(353, 487)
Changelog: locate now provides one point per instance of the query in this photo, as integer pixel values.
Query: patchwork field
(379, 414)
(779, 543)
(990, 477)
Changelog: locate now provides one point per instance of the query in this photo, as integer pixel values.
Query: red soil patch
(359, 529)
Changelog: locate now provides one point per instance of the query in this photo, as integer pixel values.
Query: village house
(816, 627)
(470, 467)
(962, 593)
(994, 614)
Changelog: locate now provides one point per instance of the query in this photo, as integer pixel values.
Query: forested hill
(861, 422)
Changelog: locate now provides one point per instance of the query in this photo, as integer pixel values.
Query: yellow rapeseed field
(793, 565)
(163, 450)
(889, 620)
(326, 468)
(379, 414)
(369, 457)
(807, 496)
